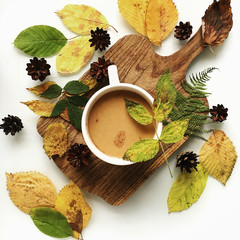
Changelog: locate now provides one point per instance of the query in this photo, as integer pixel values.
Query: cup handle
(113, 75)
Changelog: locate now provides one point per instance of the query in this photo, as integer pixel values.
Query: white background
(145, 215)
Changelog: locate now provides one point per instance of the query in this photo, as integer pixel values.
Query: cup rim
(107, 89)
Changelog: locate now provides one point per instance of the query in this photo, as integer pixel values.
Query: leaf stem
(160, 143)
(69, 39)
(113, 28)
(166, 158)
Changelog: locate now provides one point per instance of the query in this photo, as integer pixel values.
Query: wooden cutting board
(138, 64)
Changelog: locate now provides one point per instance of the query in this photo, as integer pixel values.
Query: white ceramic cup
(114, 86)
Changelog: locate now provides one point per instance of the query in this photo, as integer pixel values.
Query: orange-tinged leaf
(81, 19)
(64, 115)
(217, 22)
(39, 89)
(134, 12)
(218, 156)
(161, 18)
(55, 140)
(70, 203)
(74, 55)
(28, 190)
(40, 107)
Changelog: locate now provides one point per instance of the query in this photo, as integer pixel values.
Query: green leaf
(40, 41)
(53, 91)
(174, 131)
(142, 150)
(51, 222)
(165, 97)
(187, 189)
(59, 108)
(138, 112)
(75, 87)
(75, 116)
(78, 100)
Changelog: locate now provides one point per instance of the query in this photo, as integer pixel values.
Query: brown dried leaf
(55, 140)
(40, 107)
(31, 189)
(70, 203)
(217, 22)
(161, 18)
(218, 156)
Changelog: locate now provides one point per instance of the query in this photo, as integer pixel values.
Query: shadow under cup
(111, 90)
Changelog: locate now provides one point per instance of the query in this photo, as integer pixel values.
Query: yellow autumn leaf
(28, 190)
(70, 203)
(40, 107)
(74, 55)
(81, 19)
(91, 83)
(134, 12)
(39, 89)
(187, 189)
(161, 18)
(218, 156)
(55, 140)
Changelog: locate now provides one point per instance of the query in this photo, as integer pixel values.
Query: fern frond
(201, 77)
(197, 88)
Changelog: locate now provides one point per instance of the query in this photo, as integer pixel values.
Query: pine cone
(100, 39)
(183, 31)
(187, 160)
(99, 70)
(38, 69)
(79, 155)
(219, 113)
(12, 124)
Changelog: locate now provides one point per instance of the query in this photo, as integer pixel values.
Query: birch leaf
(138, 112)
(165, 97)
(51, 222)
(40, 107)
(218, 156)
(187, 189)
(142, 150)
(59, 108)
(74, 55)
(40, 41)
(81, 19)
(174, 131)
(55, 140)
(28, 190)
(161, 18)
(71, 203)
(134, 12)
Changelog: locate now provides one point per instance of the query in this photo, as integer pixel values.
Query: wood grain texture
(138, 64)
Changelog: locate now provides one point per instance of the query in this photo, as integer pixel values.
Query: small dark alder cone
(79, 155)
(187, 161)
(100, 39)
(218, 113)
(11, 124)
(38, 69)
(183, 31)
(99, 70)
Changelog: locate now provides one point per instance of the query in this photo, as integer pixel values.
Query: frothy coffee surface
(111, 128)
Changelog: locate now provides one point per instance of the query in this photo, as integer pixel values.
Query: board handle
(186, 55)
